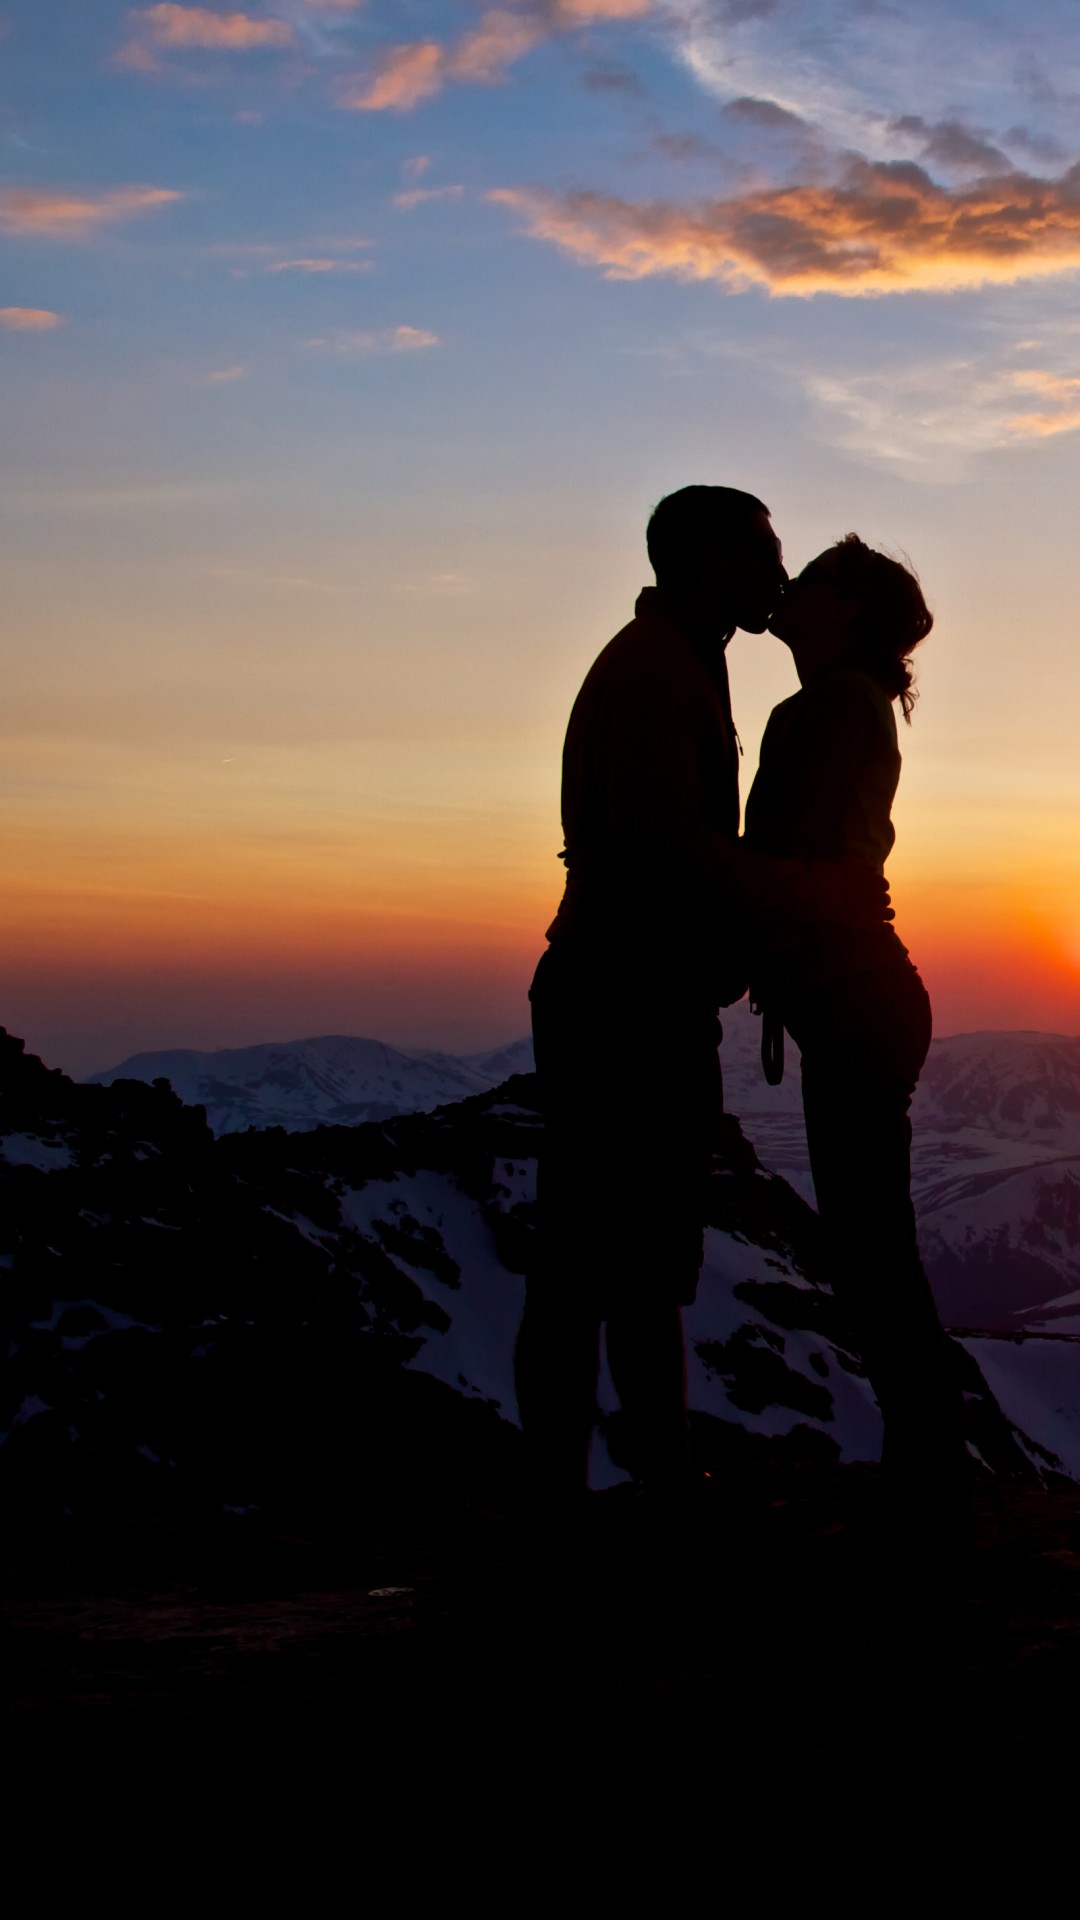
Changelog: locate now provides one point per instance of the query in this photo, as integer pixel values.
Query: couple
(668, 915)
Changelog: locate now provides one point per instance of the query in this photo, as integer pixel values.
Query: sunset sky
(346, 348)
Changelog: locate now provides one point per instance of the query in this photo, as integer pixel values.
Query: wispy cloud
(951, 144)
(928, 419)
(854, 67)
(415, 71)
(61, 215)
(881, 227)
(416, 196)
(405, 76)
(224, 376)
(380, 340)
(174, 26)
(29, 319)
(317, 263)
(169, 26)
(311, 254)
(1063, 413)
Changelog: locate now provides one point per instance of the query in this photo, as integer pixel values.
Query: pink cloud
(381, 340)
(414, 72)
(407, 75)
(64, 216)
(1062, 388)
(416, 196)
(29, 319)
(1040, 425)
(494, 44)
(175, 26)
(580, 13)
(881, 228)
(318, 264)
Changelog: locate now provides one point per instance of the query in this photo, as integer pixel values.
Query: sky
(347, 345)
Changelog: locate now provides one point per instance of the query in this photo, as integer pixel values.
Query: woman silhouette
(854, 1003)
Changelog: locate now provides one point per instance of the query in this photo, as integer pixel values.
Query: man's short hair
(695, 517)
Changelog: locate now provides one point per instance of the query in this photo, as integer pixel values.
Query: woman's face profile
(815, 606)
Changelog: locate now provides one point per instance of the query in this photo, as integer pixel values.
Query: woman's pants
(863, 1046)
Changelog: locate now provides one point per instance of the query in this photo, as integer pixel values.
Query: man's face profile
(746, 579)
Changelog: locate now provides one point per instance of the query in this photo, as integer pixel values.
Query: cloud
(734, 12)
(494, 45)
(29, 319)
(317, 263)
(1062, 388)
(416, 196)
(224, 376)
(169, 25)
(688, 146)
(65, 216)
(584, 13)
(881, 227)
(951, 144)
(612, 79)
(928, 418)
(406, 76)
(381, 340)
(414, 72)
(1041, 147)
(764, 113)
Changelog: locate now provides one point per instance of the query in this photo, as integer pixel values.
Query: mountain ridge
(271, 1316)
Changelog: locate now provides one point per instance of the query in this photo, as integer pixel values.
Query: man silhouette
(644, 949)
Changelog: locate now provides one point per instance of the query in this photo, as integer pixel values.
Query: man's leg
(647, 1358)
(556, 1362)
(557, 1357)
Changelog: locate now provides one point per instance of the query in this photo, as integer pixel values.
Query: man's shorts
(630, 1083)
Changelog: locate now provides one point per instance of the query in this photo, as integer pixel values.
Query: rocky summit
(260, 1456)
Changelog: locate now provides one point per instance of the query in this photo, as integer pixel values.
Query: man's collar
(707, 640)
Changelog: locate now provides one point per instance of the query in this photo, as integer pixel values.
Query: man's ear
(847, 609)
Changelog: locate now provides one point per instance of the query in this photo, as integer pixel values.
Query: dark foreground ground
(765, 1629)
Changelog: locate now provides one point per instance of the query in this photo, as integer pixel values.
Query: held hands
(850, 893)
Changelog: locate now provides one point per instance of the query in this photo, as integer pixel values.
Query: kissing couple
(668, 915)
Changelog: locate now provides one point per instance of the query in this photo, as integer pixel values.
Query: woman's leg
(859, 1073)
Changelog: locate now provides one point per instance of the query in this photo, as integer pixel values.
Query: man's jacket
(650, 808)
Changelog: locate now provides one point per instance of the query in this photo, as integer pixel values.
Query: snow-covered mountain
(995, 1166)
(332, 1080)
(257, 1318)
(996, 1157)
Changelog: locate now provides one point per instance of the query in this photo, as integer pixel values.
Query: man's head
(714, 549)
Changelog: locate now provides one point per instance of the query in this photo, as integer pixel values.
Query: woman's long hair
(893, 616)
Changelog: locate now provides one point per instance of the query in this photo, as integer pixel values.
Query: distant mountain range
(996, 1163)
(331, 1081)
(995, 1167)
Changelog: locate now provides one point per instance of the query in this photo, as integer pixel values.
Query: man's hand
(849, 893)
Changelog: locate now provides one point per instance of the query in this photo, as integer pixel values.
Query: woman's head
(855, 606)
